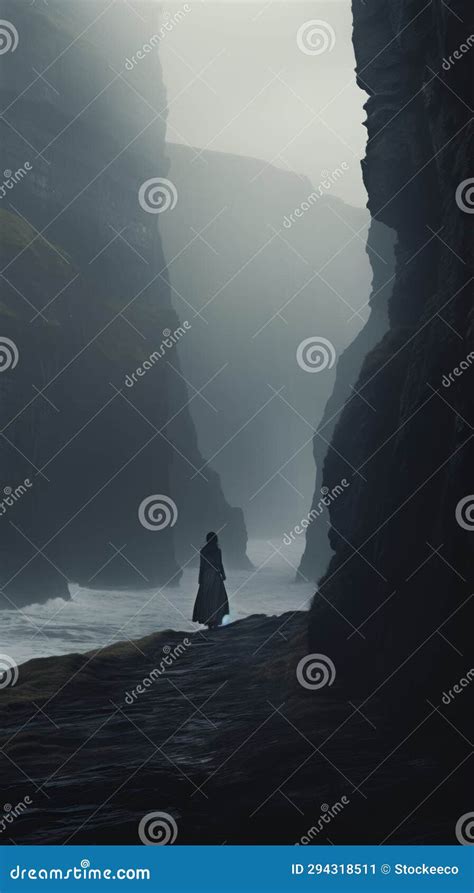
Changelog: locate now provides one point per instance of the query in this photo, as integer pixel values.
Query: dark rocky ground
(226, 741)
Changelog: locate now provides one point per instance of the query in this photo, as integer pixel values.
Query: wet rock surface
(225, 740)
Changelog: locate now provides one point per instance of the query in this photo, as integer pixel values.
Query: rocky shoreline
(224, 740)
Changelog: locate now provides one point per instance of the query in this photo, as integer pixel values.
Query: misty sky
(259, 94)
(239, 81)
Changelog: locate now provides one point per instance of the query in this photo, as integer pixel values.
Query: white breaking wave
(95, 618)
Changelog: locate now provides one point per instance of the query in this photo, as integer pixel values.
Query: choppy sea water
(94, 619)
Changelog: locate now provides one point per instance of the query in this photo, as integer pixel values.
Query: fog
(249, 115)
(254, 125)
(237, 82)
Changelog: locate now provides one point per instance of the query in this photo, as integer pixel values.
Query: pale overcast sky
(260, 93)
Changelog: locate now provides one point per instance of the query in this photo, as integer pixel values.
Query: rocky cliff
(395, 601)
(262, 283)
(94, 416)
(380, 249)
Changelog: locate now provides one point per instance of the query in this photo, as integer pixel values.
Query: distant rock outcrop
(267, 259)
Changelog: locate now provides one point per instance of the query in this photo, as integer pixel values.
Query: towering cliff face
(85, 303)
(400, 581)
(380, 249)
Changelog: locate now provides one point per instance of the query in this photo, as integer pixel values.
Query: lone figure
(211, 603)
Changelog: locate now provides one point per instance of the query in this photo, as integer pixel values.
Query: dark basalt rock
(403, 566)
(380, 249)
(224, 740)
(86, 300)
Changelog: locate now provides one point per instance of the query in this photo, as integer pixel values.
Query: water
(94, 619)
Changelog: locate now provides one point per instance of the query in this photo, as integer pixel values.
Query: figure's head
(211, 538)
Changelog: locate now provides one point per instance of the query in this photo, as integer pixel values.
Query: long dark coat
(211, 603)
